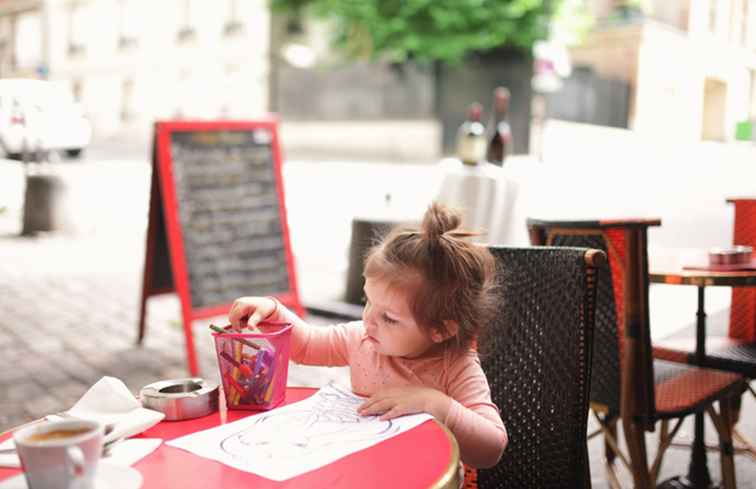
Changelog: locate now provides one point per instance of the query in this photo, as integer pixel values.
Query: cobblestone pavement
(61, 332)
(68, 316)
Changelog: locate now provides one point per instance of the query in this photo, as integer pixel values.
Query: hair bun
(438, 220)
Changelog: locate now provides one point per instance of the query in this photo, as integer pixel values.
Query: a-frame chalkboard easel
(217, 221)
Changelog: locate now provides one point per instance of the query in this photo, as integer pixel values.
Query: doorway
(715, 97)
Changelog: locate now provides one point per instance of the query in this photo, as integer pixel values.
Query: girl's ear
(451, 328)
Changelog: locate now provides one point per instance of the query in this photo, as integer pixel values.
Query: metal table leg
(698, 471)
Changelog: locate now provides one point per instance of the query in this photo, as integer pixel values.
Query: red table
(424, 457)
(670, 272)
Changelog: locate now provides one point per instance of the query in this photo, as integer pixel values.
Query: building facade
(130, 62)
(691, 64)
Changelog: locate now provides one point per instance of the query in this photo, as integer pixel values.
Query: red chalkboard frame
(164, 214)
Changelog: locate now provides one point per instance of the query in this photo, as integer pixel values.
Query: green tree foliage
(428, 30)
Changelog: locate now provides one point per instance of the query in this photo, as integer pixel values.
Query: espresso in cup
(57, 434)
(60, 454)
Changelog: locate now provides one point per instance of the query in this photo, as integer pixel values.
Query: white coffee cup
(60, 454)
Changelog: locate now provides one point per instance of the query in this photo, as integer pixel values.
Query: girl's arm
(310, 345)
(466, 409)
(472, 417)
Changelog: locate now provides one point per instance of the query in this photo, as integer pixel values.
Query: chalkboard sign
(217, 211)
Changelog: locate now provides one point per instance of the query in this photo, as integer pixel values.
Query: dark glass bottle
(500, 132)
(471, 137)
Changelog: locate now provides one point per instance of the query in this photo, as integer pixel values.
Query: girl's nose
(367, 318)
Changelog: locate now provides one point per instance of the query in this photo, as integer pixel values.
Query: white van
(41, 115)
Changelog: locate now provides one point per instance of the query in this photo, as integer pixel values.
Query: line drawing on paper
(332, 419)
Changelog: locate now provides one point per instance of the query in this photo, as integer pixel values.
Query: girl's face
(389, 324)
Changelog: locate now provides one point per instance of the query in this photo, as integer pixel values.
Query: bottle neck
(499, 115)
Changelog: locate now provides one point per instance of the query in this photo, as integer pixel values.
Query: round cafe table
(671, 272)
(424, 457)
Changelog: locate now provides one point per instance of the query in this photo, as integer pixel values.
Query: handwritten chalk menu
(229, 212)
(217, 213)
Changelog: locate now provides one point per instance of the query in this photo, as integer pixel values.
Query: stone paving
(61, 332)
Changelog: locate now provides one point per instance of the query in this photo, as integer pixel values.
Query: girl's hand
(398, 401)
(251, 310)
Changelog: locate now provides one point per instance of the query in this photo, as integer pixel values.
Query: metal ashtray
(181, 399)
(736, 255)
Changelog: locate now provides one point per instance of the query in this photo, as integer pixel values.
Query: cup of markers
(253, 364)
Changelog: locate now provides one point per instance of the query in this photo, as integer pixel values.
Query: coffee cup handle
(76, 461)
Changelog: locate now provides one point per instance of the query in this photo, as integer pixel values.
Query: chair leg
(636, 443)
(611, 450)
(745, 444)
(723, 424)
(608, 428)
(663, 444)
(611, 427)
(735, 404)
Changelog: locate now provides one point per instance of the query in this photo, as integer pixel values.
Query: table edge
(692, 277)
(451, 478)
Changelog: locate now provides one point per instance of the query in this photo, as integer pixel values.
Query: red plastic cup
(254, 367)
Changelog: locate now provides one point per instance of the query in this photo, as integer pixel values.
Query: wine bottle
(500, 132)
(471, 137)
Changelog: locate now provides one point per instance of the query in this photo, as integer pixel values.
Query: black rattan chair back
(605, 376)
(537, 357)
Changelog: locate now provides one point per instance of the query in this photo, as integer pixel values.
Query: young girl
(428, 294)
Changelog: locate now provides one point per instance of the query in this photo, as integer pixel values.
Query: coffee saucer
(108, 476)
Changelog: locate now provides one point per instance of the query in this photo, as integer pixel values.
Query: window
(234, 25)
(6, 42)
(749, 19)
(77, 89)
(128, 23)
(713, 16)
(186, 32)
(715, 103)
(28, 43)
(127, 100)
(752, 109)
(738, 22)
(77, 29)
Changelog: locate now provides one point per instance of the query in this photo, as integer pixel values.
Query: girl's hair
(447, 276)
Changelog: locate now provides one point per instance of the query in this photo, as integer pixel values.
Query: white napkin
(109, 401)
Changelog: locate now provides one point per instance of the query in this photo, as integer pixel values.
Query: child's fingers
(249, 311)
(366, 405)
(392, 413)
(377, 407)
(239, 313)
(255, 318)
(235, 316)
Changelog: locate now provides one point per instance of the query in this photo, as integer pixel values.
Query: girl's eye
(389, 320)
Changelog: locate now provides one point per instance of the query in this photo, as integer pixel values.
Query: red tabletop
(424, 457)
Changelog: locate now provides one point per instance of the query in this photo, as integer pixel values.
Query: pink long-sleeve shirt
(472, 417)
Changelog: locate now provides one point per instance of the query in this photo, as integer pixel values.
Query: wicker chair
(627, 384)
(537, 358)
(737, 351)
